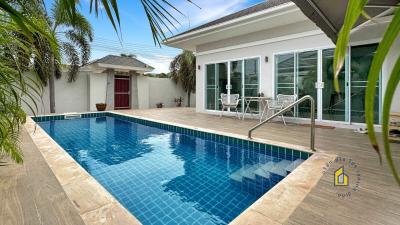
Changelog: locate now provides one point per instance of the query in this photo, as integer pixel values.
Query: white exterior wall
(69, 97)
(165, 90)
(267, 76)
(143, 92)
(308, 40)
(97, 89)
(90, 88)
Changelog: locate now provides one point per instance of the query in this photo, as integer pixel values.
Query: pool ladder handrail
(287, 108)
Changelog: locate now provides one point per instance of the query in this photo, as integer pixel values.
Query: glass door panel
(222, 79)
(361, 58)
(333, 103)
(211, 87)
(251, 80)
(236, 80)
(284, 73)
(307, 76)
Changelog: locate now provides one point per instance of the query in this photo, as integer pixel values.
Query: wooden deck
(30, 193)
(376, 200)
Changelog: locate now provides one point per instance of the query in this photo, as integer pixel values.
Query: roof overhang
(329, 15)
(101, 67)
(267, 19)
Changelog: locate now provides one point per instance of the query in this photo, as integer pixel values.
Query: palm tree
(183, 70)
(27, 32)
(73, 37)
(17, 48)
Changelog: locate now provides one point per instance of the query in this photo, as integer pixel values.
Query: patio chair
(281, 102)
(229, 102)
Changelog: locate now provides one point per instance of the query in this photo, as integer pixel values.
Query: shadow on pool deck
(31, 194)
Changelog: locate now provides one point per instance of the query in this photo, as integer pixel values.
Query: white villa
(273, 48)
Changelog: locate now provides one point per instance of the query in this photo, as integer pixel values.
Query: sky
(135, 30)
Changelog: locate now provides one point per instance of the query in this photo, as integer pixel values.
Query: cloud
(159, 62)
(210, 10)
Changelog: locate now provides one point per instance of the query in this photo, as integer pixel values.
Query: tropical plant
(183, 71)
(158, 13)
(16, 88)
(355, 10)
(26, 29)
(73, 37)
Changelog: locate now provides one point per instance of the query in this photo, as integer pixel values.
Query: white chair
(229, 102)
(281, 102)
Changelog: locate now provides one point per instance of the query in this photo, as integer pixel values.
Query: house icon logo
(340, 178)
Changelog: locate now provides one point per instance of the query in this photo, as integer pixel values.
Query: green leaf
(385, 45)
(392, 84)
(354, 10)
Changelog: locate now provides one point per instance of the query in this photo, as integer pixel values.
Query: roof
(124, 61)
(253, 9)
(329, 14)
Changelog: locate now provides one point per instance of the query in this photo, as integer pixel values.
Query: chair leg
(237, 113)
(222, 112)
(283, 119)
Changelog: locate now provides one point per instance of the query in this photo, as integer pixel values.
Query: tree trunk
(188, 104)
(51, 90)
(52, 94)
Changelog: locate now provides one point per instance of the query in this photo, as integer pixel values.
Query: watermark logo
(340, 178)
(346, 176)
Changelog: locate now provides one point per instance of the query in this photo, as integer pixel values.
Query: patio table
(261, 100)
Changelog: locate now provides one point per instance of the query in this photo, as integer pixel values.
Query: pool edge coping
(300, 181)
(99, 207)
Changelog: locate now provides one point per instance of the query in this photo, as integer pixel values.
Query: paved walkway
(30, 193)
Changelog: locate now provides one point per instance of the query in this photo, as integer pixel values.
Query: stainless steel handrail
(287, 108)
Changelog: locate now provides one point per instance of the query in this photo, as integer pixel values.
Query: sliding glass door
(234, 77)
(311, 73)
(211, 87)
(334, 104)
(296, 74)
(306, 77)
(216, 83)
(251, 81)
(284, 72)
(361, 58)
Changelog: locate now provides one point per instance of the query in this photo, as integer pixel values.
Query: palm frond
(355, 9)
(73, 58)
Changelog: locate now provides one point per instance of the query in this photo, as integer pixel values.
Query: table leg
(263, 106)
(246, 108)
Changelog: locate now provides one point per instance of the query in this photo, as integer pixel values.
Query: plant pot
(101, 106)
(178, 104)
(159, 105)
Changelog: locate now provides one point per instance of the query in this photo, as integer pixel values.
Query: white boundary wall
(91, 88)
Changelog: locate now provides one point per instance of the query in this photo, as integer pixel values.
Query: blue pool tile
(166, 174)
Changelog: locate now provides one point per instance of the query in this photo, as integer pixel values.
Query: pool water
(165, 177)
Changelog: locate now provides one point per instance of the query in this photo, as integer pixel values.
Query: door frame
(228, 62)
(123, 77)
(319, 99)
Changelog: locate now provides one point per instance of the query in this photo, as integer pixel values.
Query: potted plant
(178, 101)
(159, 105)
(101, 106)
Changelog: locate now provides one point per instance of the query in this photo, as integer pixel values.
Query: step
(263, 171)
(247, 171)
(279, 168)
(294, 165)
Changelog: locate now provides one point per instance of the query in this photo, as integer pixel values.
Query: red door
(122, 92)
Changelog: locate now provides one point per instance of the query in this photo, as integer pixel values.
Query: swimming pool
(165, 174)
